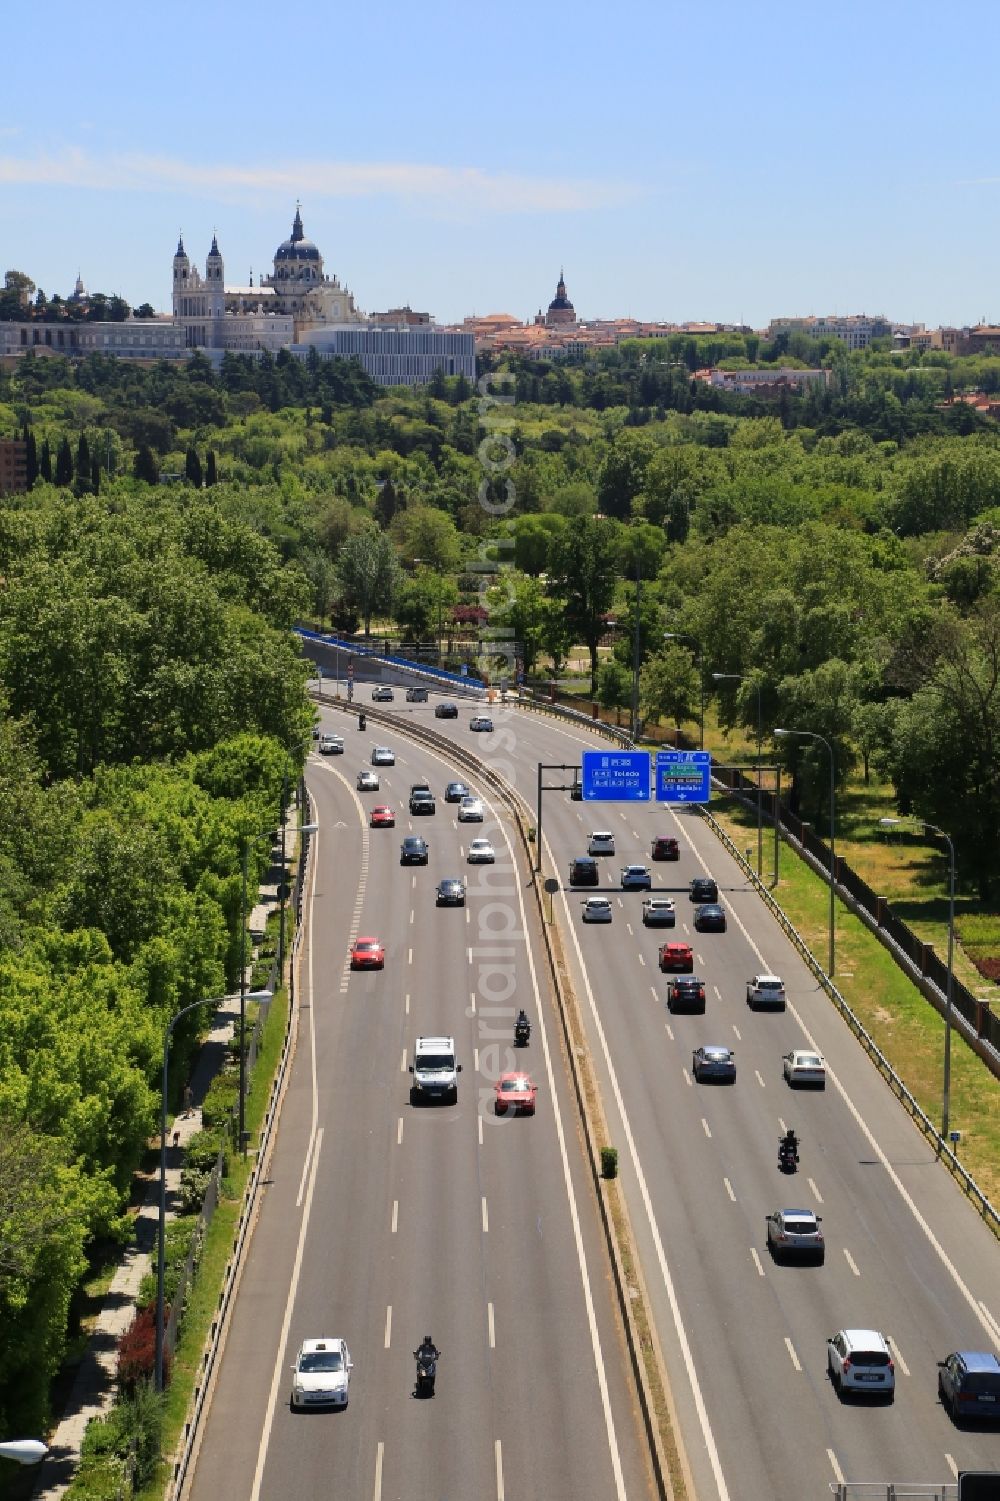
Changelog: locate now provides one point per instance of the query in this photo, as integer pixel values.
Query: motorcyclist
(789, 1145)
(427, 1352)
(522, 1027)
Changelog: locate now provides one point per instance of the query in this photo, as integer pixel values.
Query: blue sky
(736, 159)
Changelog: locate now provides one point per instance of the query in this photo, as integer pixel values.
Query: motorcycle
(426, 1374)
(522, 1034)
(788, 1157)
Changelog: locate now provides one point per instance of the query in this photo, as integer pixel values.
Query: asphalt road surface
(382, 1221)
(745, 1338)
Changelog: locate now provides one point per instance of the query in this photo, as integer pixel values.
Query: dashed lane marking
(729, 1189)
(792, 1355)
(756, 1261)
(851, 1262)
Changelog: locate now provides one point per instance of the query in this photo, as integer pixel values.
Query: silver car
(795, 1232)
(470, 810)
(368, 781)
(597, 909)
(658, 912)
(481, 852)
(713, 1063)
(802, 1066)
(636, 878)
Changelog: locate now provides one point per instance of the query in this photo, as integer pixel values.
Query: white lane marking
(409, 957)
(469, 952)
(851, 1262)
(760, 1081)
(490, 1326)
(310, 991)
(278, 1375)
(475, 1060)
(687, 1077)
(706, 1128)
(461, 851)
(395, 1216)
(791, 1354)
(629, 926)
(718, 992)
(736, 1029)
(641, 960)
(402, 1066)
(635, 833)
(950, 1462)
(670, 1030)
(897, 1356)
(378, 1473)
(413, 883)
(814, 1191)
(701, 962)
(500, 1495)
(757, 1261)
(654, 994)
(729, 1189)
(621, 904)
(838, 1473)
(472, 1002)
(399, 1132)
(486, 1217)
(781, 1125)
(480, 1120)
(468, 914)
(388, 1325)
(406, 1005)
(991, 1321)
(411, 917)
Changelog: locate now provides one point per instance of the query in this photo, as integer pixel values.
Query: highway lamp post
(810, 735)
(684, 636)
(24, 1451)
(741, 677)
(634, 726)
(891, 823)
(256, 995)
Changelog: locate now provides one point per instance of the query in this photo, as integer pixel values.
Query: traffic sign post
(683, 776)
(616, 776)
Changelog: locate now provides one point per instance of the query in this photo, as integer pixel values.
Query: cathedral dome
(297, 247)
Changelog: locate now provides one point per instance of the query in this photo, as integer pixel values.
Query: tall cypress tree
(45, 462)
(95, 475)
(146, 467)
(64, 463)
(83, 457)
(192, 467)
(32, 455)
(211, 473)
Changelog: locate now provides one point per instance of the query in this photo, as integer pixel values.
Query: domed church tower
(561, 310)
(215, 281)
(182, 269)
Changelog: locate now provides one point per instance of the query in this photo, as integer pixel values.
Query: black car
(451, 894)
(421, 802)
(413, 851)
(710, 918)
(686, 993)
(583, 871)
(446, 711)
(416, 695)
(455, 791)
(703, 889)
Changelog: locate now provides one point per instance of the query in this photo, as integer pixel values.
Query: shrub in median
(609, 1162)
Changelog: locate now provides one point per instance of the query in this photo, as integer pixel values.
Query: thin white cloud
(447, 188)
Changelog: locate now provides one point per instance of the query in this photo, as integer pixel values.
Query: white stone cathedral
(298, 297)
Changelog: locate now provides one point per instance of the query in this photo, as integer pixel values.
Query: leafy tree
(521, 608)
(614, 685)
(427, 535)
(368, 572)
(145, 310)
(534, 537)
(145, 466)
(424, 602)
(582, 573)
(623, 472)
(669, 686)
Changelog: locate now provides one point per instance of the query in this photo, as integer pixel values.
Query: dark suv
(969, 1385)
(421, 802)
(413, 850)
(665, 847)
(446, 711)
(686, 993)
(703, 889)
(416, 695)
(583, 871)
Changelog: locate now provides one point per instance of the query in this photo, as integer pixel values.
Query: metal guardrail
(986, 1208)
(576, 716)
(903, 1490)
(210, 1354)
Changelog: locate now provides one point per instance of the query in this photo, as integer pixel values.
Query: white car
(636, 878)
(331, 745)
(368, 781)
(597, 909)
(766, 990)
(860, 1360)
(382, 695)
(658, 912)
(321, 1373)
(481, 852)
(601, 843)
(383, 756)
(481, 722)
(802, 1066)
(470, 810)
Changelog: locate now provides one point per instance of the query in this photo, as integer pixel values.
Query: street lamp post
(810, 735)
(891, 823)
(217, 1000)
(684, 636)
(741, 677)
(634, 730)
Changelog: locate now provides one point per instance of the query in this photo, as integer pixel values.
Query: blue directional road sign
(616, 776)
(683, 776)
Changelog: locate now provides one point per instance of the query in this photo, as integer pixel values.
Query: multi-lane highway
(744, 1338)
(382, 1221)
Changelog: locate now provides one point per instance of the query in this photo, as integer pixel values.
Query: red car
(665, 847)
(383, 817)
(676, 956)
(515, 1092)
(368, 953)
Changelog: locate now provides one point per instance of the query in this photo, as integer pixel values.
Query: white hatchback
(601, 843)
(597, 909)
(368, 781)
(470, 810)
(481, 852)
(383, 756)
(860, 1360)
(802, 1066)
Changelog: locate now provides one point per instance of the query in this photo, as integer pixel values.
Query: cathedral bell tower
(215, 281)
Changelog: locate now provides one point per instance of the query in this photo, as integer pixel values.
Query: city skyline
(732, 168)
